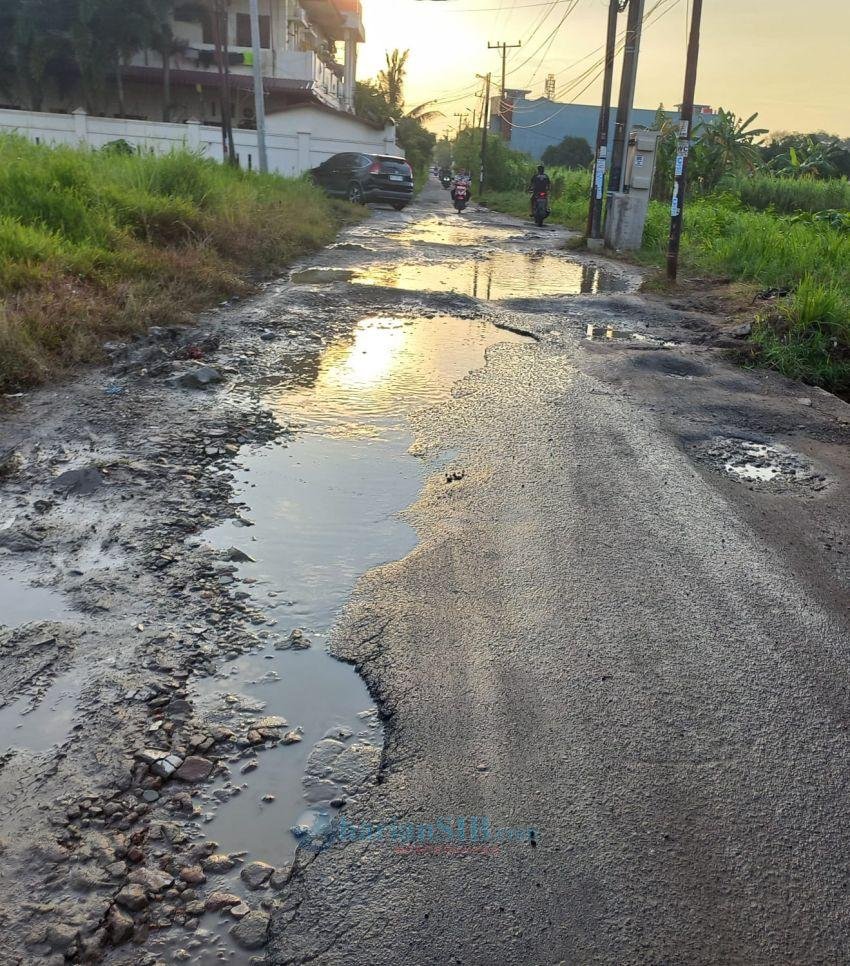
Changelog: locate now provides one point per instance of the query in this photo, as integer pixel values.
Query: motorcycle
(541, 207)
(460, 195)
(446, 180)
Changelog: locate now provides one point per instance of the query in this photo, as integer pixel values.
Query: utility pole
(460, 118)
(219, 17)
(484, 132)
(503, 104)
(259, 93)
(627, 94)
(597, 185)
(685, 131)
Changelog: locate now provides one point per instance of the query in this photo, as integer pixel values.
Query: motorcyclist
(461, 179)
(540, 182)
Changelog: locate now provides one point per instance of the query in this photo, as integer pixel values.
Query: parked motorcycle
(460, 195)
(541, 207)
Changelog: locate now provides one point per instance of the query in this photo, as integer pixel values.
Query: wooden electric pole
(485, 130)
(685, 132)
(259, 94)
(219, 20)
(597, 181)
(503, 104)
(626, 101)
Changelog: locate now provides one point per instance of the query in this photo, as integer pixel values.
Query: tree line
(727, 145)
(85, 44)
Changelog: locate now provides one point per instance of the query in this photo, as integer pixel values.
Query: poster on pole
(600, 177)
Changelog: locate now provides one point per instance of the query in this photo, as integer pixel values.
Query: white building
(308, 52)
(309, 94)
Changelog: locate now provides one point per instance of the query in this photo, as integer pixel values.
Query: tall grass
(95, 245)
(788, 196)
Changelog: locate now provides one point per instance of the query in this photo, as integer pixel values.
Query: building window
(243, 31)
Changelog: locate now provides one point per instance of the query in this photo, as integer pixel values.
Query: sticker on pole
(680, 166)
(600, 177)
(674, 208)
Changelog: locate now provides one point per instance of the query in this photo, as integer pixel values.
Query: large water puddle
(326, 509)
(36, 724)
(21, 602)
(457, 232)
(494, 276)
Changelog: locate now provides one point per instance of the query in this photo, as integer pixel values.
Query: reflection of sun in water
(369, 360)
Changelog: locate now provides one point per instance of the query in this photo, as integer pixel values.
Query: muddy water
(326, 509)
(496, 276)
(21, 602)
(491, 276)
(37, 723)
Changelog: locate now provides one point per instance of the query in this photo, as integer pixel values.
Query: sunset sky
(786, 59)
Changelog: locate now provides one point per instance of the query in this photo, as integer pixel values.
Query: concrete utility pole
(259, 94)
(686, 123)
(503, 104)
(597, 186)
(627, 94)
(484, 132)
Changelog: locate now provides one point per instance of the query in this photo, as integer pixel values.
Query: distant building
(299, 42)
(533, 125)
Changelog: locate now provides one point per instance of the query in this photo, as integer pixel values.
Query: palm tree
(390, 88)
(391, 80)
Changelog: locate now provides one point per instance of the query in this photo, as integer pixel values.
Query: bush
(95, 245)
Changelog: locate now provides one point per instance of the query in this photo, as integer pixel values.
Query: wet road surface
(592, 579)
(614, 668)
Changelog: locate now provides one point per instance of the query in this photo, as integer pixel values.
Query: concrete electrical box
(627, 209)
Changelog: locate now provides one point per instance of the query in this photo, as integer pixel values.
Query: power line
(596, 76)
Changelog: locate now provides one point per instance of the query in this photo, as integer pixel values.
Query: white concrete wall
(297, 139)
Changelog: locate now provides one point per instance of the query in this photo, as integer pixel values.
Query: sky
(785, 59)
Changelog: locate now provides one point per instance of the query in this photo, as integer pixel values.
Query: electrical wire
(672, 4)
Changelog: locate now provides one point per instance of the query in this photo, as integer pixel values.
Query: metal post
(597, 181)
(259, 93)
(685, 131)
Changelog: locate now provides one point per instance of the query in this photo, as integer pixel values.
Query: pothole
(321, 276)
(610, 333)
(495, 276)
(754, 462)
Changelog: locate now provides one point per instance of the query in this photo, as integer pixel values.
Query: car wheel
(399, 205)
(355, 194)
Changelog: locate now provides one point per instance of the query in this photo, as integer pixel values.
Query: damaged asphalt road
(620, 643)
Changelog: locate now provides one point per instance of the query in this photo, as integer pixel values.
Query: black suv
(366, 177)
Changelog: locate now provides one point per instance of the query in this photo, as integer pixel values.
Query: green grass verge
(99, 245)
(808, 336)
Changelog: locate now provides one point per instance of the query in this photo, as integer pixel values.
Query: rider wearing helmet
(540, 182)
